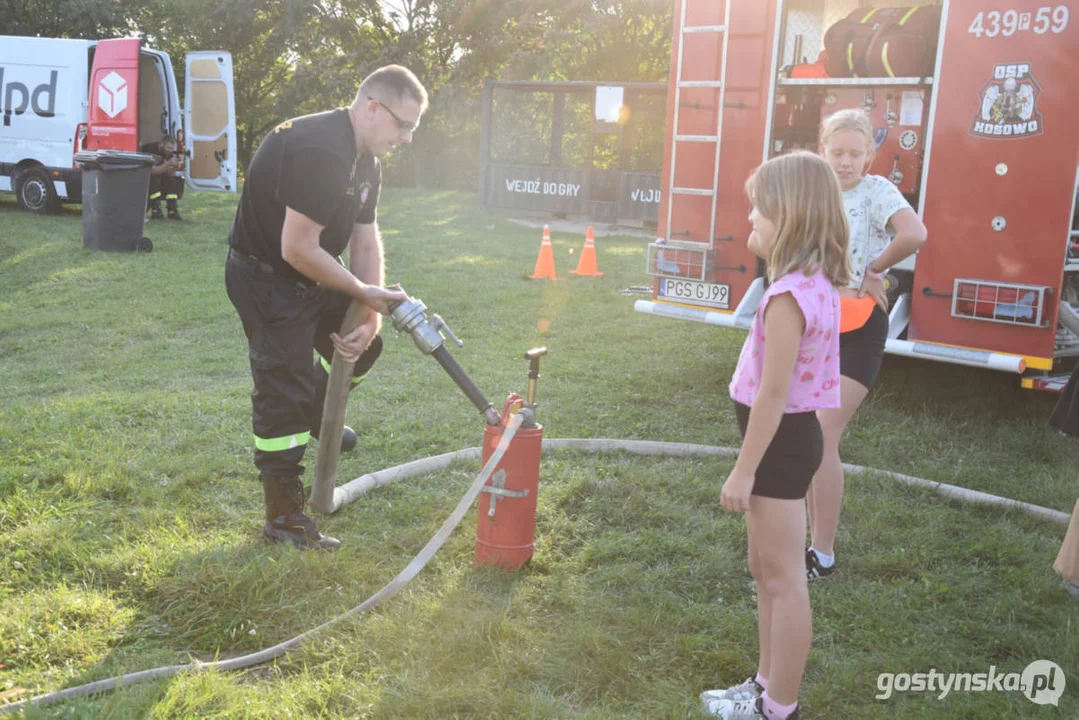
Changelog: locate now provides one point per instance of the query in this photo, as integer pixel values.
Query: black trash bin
(114, 189)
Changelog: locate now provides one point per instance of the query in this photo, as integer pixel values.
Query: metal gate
(574, 148)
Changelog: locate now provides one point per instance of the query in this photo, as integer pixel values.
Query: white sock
(826, 561)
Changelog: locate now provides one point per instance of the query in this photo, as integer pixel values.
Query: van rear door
(209, 122)
(113, 118)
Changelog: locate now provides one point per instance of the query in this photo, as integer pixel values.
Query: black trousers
(1065, 417)
(168, 186)
(285, 322)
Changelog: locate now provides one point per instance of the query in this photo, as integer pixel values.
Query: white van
(60, 96)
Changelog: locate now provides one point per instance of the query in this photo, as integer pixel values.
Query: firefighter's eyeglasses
(402, 125)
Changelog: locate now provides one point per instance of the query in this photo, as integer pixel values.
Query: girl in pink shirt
(788, 369)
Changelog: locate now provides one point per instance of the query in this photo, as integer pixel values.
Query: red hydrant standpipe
(506, 523)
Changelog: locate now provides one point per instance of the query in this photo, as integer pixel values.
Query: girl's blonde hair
(800, 194)
(851, 119)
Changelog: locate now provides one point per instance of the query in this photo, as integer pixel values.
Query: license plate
(717, 295)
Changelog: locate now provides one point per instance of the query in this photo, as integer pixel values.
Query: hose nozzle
(411, 316)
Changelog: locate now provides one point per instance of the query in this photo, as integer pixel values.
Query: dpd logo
(112, 94)
(17, 97)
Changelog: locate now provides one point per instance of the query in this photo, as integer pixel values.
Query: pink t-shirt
(815, 384)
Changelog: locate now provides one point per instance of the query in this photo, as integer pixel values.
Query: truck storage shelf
(858, 82)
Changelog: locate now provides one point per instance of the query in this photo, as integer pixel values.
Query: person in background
(884, 230)
(163, 178)
(1065, 418)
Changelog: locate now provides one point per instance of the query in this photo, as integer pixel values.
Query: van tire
(35, 192)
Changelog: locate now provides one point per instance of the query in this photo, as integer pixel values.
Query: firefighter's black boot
(174, 212)
(155, 210)
(285, 519)
(348, 438)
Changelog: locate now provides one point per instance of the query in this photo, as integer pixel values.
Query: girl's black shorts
(791, 459)
(861, 351)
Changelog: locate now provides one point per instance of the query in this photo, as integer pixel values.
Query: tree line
(292, 57)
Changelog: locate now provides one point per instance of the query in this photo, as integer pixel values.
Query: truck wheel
(35, 191)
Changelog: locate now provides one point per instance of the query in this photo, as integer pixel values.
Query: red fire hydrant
(506, 525)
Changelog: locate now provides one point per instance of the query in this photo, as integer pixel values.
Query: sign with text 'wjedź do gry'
(568, 190)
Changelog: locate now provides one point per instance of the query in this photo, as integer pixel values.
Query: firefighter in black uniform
(163, 180)
(310, 191)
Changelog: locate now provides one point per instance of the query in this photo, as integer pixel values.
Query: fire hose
(389, 590)
(408, 316)
(420, 467)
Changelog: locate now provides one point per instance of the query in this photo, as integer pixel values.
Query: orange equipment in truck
(985, 149)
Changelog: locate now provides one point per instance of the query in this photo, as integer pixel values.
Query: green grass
(129, 509)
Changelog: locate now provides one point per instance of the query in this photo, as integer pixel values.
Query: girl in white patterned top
(884, 230)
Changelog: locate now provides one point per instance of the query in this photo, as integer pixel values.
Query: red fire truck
(984, 145)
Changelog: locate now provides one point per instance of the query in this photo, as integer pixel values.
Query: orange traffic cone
(587, 264)
(545, 261)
